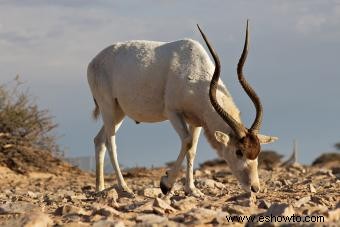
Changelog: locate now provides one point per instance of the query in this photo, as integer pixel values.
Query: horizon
(292, 64)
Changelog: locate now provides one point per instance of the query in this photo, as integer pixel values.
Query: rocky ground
(67, 197)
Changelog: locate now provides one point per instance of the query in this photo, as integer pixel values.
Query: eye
(239, 153)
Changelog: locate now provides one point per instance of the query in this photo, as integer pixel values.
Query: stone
(145, 208)
(221, 219)
(282, 209)
(312, 188)
(159, 203)
(202, 215)
(264, 204)
(70, 210)
(209, 183)
(302, 201)
(152, 192)
(108, 223)
(76, 224)
(18, 207)
(185, 204)
(104, 210)
(235, 209)
(31, 219)
(151, 219)
(333, 215)
(247, 201)
(318, 200)
(32, 194)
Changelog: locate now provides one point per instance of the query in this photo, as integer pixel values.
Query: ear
(221, 137)
(266, 139)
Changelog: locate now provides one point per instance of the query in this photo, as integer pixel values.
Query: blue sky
(293, 64)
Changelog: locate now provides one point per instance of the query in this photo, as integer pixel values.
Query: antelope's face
(242, 148)
(241, 156)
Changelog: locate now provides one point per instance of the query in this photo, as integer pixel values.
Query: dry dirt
(66, 197)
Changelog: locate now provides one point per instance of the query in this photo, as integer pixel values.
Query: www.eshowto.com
(274, 218)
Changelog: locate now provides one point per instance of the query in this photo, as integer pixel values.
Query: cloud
(310, 23)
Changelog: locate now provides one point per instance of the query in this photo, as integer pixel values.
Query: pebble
(312, 188)
(18, 207)
(202, 215)
(152, 192)
(302, 201)
(160, 206)
(108, 223)
(70, 210)
(31, 219)
(185, 204)
(333, 215)
(105, 210)
(264, 204)
(151, 219)
(282, 209)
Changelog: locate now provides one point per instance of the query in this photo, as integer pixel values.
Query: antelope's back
(139, 74)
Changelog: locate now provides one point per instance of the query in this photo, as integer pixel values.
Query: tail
(96, 111)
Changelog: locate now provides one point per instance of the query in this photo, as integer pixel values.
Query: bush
(22, 123)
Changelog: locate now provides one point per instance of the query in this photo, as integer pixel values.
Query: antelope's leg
(179, 124)
(190, 188)
(99, 143)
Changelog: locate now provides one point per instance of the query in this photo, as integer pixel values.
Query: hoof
(165, 189)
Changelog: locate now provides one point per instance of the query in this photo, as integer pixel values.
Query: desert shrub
(337, 146)
(22, 123)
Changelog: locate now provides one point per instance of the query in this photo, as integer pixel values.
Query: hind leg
(112, 122)
(99, 143)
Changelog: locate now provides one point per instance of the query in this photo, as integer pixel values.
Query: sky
(293, 64)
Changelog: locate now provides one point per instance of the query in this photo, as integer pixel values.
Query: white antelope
(152, 81)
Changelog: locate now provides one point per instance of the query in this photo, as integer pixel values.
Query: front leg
(190, 188)
(179, 124)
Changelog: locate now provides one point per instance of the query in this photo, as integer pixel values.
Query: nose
(255, 188)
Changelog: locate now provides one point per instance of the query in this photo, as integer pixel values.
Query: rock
(245, 199)
(302, 201)
(32, 194)
(151, 219)
(327, 157)
(209, 183)
(18, 207)
(185, 204)
(269, 159)
(235, 209)
(318, 200)
(221, 219)
(145, 208)
(159, 205)
(108, 223)
(333, 215)
(152, 192)
(312, 188)
(70, 210)
(326, 172)
(31, 219)
(298, 167)
(104, 210)
(264, 204)
(202, 215)
(282, 209)
(76, 224)
(109, 197)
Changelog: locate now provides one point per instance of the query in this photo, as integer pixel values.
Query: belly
(143, 102)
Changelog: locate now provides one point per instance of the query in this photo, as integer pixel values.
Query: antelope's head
(241, 148)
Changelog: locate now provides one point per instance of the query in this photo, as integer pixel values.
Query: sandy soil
(66, 197)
